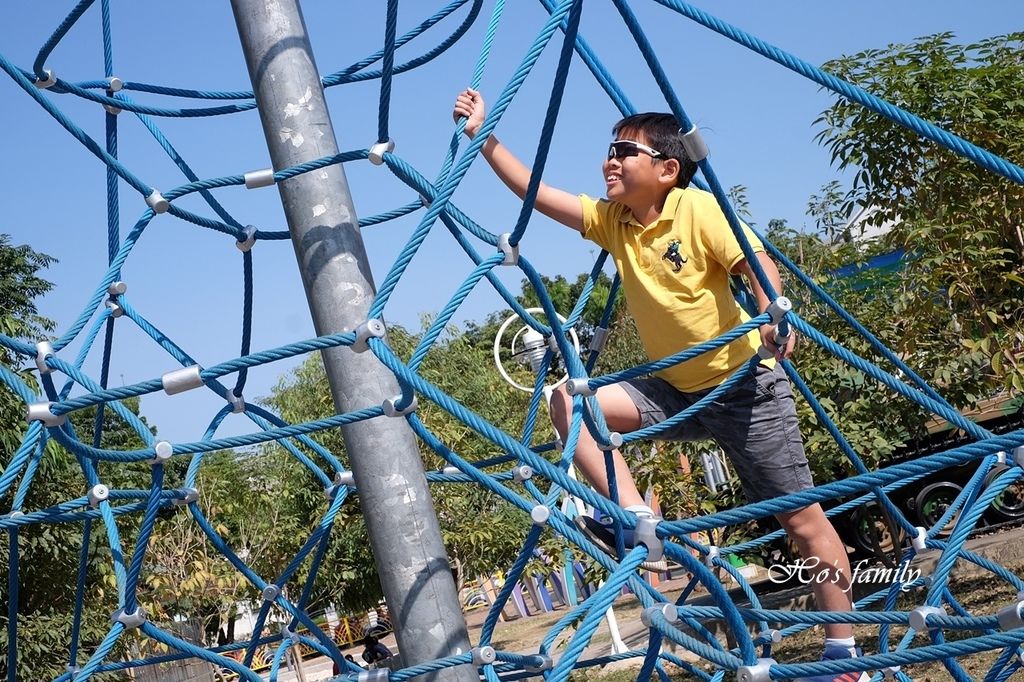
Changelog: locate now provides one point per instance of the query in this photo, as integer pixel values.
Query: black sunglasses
(620, 149)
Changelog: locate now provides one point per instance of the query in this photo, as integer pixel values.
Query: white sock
(847, 642)
(641, 510)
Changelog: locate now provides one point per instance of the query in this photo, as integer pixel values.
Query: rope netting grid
(49, 403)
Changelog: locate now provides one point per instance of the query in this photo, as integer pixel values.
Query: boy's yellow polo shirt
(675, 275)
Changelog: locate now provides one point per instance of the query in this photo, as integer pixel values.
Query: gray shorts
(754, 423)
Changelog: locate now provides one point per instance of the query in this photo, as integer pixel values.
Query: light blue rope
(24, 463)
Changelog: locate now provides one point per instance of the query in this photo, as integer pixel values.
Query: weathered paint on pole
(392, 487)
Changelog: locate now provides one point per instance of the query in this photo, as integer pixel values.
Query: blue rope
(493, 473)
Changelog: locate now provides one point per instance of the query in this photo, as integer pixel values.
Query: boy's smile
(631, 176)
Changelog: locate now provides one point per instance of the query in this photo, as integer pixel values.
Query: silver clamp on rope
(579, 386)
(540, 515)
(163, 452)
(451, 471)
(615, 442)
(245, 245)
(13, 514)
(759, 672)
(377, 151)
(646, 534)
(114, 84)
(44, 349)
(181, 380)
(375, 675)
(1011, 617)
(778, 308)
(666, 611)
(290, 634)
(425, 201)
(483, 655)
(345, 478)
(559, 445)
(271, 592)
(129, 620)
(259, 178)
(600, 339)
(693, 143)
(713, 553)
(115, 290)
(523, 472)
(72, 670)
(890, 672)
(511, 252)
(191, 495)
(98, 493)
(390, 406)
(372, 328)
(237, 403)
(156, 201)
(541, 663)
(919, 617)
(1001, 457)
(919, 542)
(49, 82)
(43, 412)
(1018, 456)
(775, 636)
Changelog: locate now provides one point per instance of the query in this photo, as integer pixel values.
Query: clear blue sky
(756, 116)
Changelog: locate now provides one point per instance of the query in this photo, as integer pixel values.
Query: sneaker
(603, 535)
(838, 653)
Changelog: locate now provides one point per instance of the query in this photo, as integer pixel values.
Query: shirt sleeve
(718, 237)
(597, 217)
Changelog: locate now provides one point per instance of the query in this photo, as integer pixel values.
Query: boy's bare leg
(815, 537)
(621, 415)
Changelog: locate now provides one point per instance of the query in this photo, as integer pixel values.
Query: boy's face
(631, 172)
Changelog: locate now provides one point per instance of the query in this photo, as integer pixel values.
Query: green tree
(482, 533)
(958, 307)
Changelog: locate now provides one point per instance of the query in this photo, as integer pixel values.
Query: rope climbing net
(49, 403)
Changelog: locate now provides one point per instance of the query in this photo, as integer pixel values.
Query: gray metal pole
(404, 533)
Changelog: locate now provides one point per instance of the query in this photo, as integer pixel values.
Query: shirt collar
(668, 211)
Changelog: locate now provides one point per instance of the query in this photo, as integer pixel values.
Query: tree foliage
(958, 309)
(480, 531)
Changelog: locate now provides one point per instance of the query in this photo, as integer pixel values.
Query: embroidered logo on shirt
(673, 256)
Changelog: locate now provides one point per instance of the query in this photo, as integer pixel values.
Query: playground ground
(979, 593)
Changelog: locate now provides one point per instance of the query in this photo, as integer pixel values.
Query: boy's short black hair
(661, 131)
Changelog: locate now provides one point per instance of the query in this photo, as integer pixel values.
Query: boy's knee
(561, 407)
(807, 523)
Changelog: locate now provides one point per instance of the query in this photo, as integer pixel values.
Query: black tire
(933, 501)
(1009, 504)
(875, 533)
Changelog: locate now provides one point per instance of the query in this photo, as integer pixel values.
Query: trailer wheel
(875, 533)
(933, 501)
(1009, 504)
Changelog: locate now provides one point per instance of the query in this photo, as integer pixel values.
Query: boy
(675, 252)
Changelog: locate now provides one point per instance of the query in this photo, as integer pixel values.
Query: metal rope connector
(249, 234)
(48, 82)
(157, 202)
(372, 328)
(377, 151)
(259, 178)
(511, 252)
